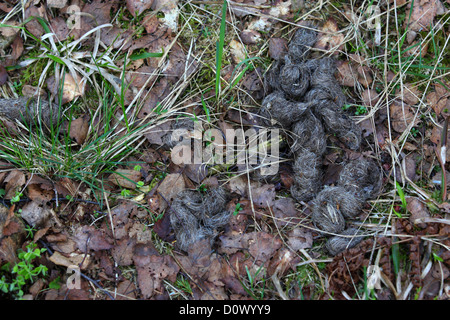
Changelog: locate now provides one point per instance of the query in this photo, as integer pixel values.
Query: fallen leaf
(284, 212)
(330, 38)
(125, 178)
(162, 228)
(36, 214)
(8, 249)
(253, 84)
(30, 91)
(346, 75)
(439, 99)
(410, 94)
(33, 26)
(72, 89)
(249, 37)
(136, 7)
(408, 168)
(74, 259)
(278, 47)
(171, 185)
(141, 233)
(152, 271)
(17, 48)
(90, 238)
(38, 194)
(422, 14)
(370, 97)
(402, 116)
(417, 209)
(123, 251)
(14, 182)
(151, 23)
(237, 51)
(364, 75)
(300, 238)
(262, 245)
(171, 12)
(59, 27)
(196, 172)
(79, 129)
(262, 196)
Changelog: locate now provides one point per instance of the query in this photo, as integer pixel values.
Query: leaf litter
(220, 237)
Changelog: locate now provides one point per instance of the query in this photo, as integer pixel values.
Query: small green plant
(253, 285)
(23, 273)
(237, 209)
(17, 197)
(125, 193)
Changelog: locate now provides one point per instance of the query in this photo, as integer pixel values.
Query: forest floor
(87, 192)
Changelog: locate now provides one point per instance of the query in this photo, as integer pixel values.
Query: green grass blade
(219, 47)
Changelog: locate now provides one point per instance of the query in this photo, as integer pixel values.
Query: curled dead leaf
(402, 116)
(329, 38)
(125, 178)
(79, 129)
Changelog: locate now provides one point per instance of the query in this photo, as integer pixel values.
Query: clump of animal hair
(347, 239)
(307, 175)
(30, 111)
(305, 97)
(197, 216)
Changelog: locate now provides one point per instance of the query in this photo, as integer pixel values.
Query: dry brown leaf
(364, 75)
(262, 196)
(285, 212)
(370, 97)
(136, 7)
(278, 47)
(73, 259)
(14, 182)
(150, 23)
(71, 90)
(439, 99)
(33, 26)
(196, 172)
(237, 51)
(125, 178)
(417, 209)
(79, 129)
(402, 116)
(59, 27)
(345, 75)
(410, 94)
(250, 37)
(36, 214)
(300, 238)
(17, 48)
(90, 238)
(171, 185)
(152, 270)
(330, 38)
(38, 194)
(170, 10)
(422, 14)
(123, 251)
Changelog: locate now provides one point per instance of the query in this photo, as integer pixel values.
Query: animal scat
(304, 97)
(195, 216)
(30, 110)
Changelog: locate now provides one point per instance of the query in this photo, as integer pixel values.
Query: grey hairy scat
(195, 216)
(30, 110)
(311, 82)
(277, 110)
